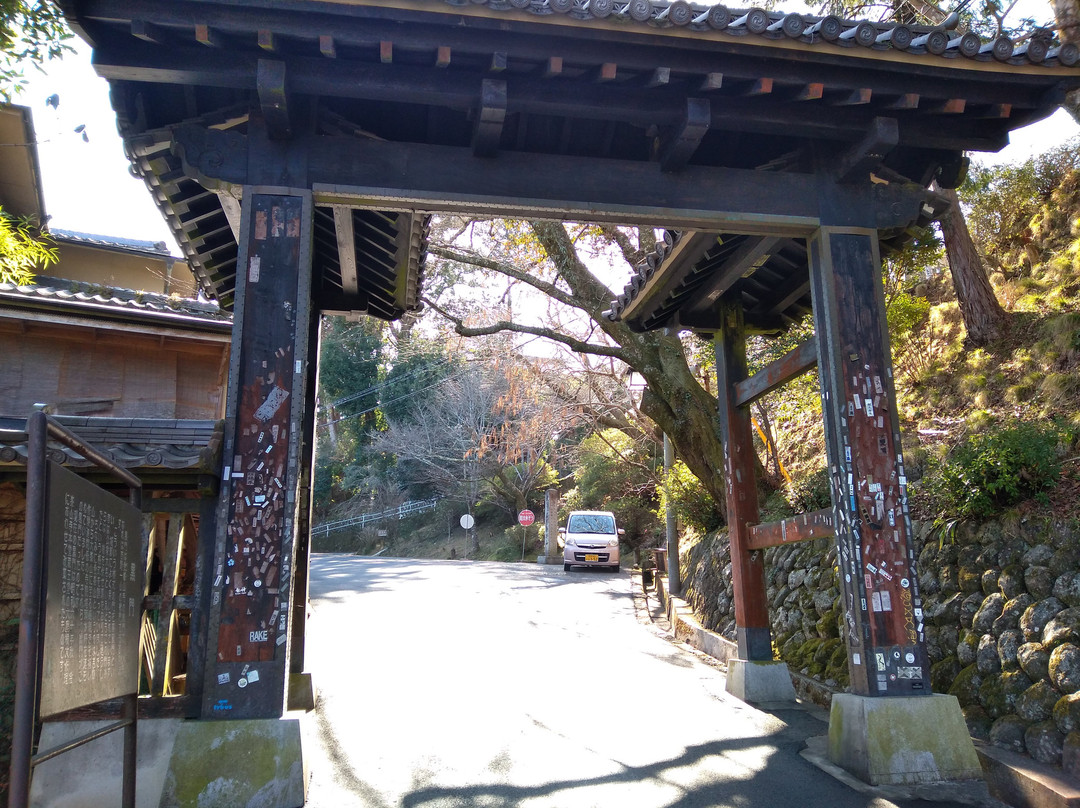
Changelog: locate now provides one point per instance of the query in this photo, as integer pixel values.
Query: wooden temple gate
(298, 148)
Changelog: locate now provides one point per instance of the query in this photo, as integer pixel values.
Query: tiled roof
(155, 248)
(833, 32)
(129, 442)
(104, 300)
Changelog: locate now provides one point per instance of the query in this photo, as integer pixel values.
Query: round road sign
(467, 521)
(526, 518)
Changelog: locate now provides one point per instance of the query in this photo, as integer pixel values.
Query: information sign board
(526, 517)
(93, 597)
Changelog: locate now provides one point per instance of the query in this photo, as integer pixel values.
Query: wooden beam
(346, 247)
(659, 77)
(443, 177)
(759, 87)
(442, 56)
(858, 161)
(273, 98)
(266, 40)
(554, 67)
(498, 62)
(753, 251)
(637, 106)
(681, 144)
(952, 106)
(810, 92)
(386, 52)
(776, 374)
(205, 35)
(146, 31)
(711, 82)
(490, 119)
(904, 101)
(854, 98)
(995, 111)
(805, 526)
(327, 46)
(606, 72)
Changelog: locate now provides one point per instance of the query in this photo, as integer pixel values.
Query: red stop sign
(526, 518)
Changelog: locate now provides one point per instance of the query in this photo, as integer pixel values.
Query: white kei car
(591, 539)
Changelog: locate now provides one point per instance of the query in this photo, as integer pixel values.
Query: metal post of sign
(31, 625)
(28, 661)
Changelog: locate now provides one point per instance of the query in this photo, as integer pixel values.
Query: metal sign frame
(40, 428)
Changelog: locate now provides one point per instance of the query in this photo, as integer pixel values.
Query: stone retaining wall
(1002, 606)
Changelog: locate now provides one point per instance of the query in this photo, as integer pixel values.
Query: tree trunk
(1067, 14)
(983, 316)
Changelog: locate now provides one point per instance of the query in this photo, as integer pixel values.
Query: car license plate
(592, 557)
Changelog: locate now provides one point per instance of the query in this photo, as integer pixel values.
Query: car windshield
(591, 523)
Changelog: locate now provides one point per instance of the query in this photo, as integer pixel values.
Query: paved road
(452, 684)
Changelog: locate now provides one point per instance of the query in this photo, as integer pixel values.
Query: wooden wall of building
(111, 372)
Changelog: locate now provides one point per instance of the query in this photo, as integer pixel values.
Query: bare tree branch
(576, 345)
(509, 270)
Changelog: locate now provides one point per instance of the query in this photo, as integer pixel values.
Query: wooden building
(109, 344)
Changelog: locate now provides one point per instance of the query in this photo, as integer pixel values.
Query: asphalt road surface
(446, 684)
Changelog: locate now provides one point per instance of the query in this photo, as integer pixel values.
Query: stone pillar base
(901, 739)
(302, 694)
(179, 763)
(759, 681)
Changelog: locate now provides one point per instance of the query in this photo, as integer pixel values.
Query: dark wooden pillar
(304, 502)
(747, 566)
(883, 610)
(252, 580)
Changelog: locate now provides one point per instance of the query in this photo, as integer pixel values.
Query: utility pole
(674, 584)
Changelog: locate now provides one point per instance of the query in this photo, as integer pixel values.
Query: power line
(376, 388)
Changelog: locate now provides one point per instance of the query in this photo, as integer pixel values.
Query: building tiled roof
(158, 249)
(96, 298)
(833, 32)
(130, 442)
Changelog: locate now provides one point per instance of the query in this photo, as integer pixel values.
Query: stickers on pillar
(273, 402)
(223, 678)
(254, 268)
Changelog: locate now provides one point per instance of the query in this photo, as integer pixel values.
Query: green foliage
(31, 31)
(616, 473)
(694, 506)
(1003, 202)
(905, 314)
(810, 492)
(24, 247)
(1000, 467)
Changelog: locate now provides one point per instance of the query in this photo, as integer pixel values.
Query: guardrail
(400, 512)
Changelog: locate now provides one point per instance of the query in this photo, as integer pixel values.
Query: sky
(89, 189)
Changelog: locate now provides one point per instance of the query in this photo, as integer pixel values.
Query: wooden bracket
(776, 374)
(146, 31)
(675, 152)
(490, 120)
(273, 98)
(806, 526)
(861, 159)
(346, 243)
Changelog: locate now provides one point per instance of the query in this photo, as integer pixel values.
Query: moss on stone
(966, 686)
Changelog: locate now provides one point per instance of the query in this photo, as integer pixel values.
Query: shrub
(1000, 467)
